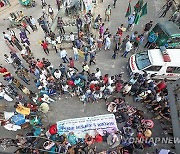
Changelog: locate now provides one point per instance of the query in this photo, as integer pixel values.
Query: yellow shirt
(23, 110)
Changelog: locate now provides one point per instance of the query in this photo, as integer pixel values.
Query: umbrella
(44, 107)
(148, 123)
(148, 133)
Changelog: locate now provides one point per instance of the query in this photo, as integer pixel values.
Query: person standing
(127, 49)
(169, 3)
(117, 38)
(63, 55)
(114, 3)
(107, 13)
(116, 49)
(100, 43)
(43, 25)
(29, 22)
(60, 25)
(24, 26)
(75, 50)
(148, 27)
(8, 38)
(62, 68)
(7, 2)
(45, 47)
(136, 43)
(86, 53)
(101, 30)
(50, 12)
(87, 23)
(33, 22)
(108, 42)
(151, 39)
(9, 60)
(131, 19)
(12, 33)
(43, 3)
(78, 23)
(58, 2)
(71, 63)
(16, 43)
(85, 68)
(92, 58)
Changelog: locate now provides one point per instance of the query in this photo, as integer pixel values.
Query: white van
(163, 63)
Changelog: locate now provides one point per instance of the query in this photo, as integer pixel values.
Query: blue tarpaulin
(18, 119)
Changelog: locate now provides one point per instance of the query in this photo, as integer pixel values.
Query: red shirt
(105, 79)
(92, 87)
(70, 82)
(98, 138)
(40, 64)
(53, 129)
(162, 85)
(44, 45)
(5, 72)
(71, 63)
(97, 88)
(33, 107)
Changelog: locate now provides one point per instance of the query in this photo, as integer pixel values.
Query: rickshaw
(30, 3)
(168, 34)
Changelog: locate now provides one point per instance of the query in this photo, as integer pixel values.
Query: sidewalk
(6, 7)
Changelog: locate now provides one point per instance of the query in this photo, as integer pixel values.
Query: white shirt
(50, 10)
(24, 52)
(63, 53)
(164, 151)
(108, 40)
(65, 88)
(44, 72)
(71, 37)
(110, 81)
(128, 46)
(94, 82)
(110, 88)
(9, 60)
(45, 98)
(98, 74)
(7, 36)
(11, 32)
(33, 21)
(75, 50)
(12, 127)
(42, 77)
(57, 75)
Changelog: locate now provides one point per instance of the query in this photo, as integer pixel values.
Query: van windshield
(142, 60)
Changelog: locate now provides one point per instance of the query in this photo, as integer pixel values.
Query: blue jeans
(125, 54)
(65, 59)
(76, 56)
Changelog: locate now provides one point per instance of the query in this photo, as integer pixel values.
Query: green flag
(128, 12)
(144, 10)
(137, 18)
(138, 6)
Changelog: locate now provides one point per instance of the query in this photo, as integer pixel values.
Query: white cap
(149, 91)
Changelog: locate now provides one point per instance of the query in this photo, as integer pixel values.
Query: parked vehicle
(161, 63)
(168, 34)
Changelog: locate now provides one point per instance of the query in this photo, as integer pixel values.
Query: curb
(8, 7)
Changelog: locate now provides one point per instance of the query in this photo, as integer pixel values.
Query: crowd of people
(90, 87)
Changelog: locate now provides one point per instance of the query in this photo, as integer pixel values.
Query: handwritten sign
(81, 126)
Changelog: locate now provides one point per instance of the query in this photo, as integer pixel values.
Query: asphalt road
(72, 107)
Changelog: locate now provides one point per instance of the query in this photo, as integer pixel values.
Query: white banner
(81, 126)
